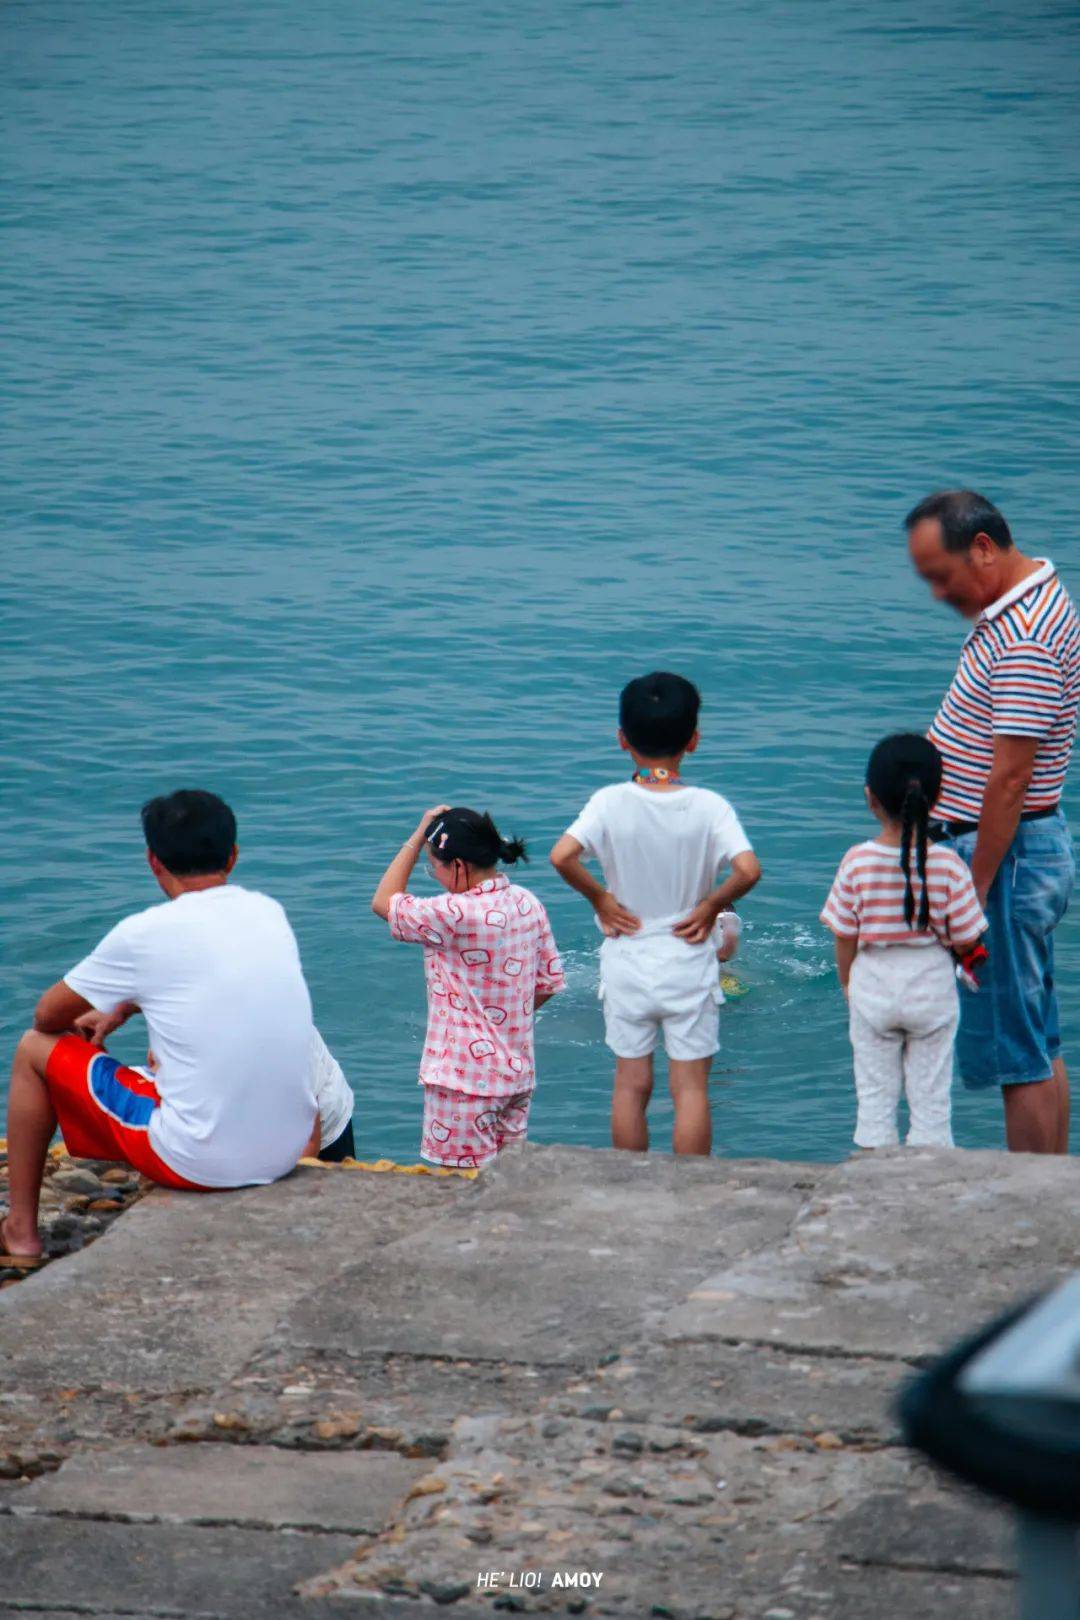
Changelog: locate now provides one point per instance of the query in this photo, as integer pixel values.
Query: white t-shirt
(660, 852)
(217, 975)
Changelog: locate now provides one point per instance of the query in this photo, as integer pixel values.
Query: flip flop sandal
(17, 1262)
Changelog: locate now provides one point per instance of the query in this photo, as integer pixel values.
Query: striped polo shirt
(1019, 676)
(867, 898)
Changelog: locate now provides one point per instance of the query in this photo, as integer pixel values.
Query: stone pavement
(359, 1393)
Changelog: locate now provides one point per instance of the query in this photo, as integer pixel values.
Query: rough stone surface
(77, 1204)
(897, 1253)
(259, 1486)
(679, 1375)
(220, 1272)
(103, 1569)
(507, 1276)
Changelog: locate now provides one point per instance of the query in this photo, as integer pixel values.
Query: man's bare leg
(1061, 1080)
(1033, 1116)
(30, 1127)
(629, 1100)
(689, 1082)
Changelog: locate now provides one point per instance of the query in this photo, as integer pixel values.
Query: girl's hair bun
(467, 835)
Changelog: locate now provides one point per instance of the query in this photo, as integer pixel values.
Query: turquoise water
(384, 386)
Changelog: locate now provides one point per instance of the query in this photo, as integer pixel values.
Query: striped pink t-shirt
(1019, 676)
(867, 898)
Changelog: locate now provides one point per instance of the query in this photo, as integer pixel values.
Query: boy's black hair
(192, 833)
(904, 775)
(962, 514)
(466, 835)
(658, 714)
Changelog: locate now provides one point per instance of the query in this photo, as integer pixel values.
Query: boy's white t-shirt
(660, 852)
(217, 975)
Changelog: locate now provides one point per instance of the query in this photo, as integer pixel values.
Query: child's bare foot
(17, 1246)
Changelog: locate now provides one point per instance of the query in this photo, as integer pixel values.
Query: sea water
(384, 385)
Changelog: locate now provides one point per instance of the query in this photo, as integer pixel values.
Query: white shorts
(657, 982)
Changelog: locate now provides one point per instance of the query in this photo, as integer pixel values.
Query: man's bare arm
(61, 1009)
(1003, 800)
(58, 1009)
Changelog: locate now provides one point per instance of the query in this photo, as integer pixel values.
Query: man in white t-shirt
(216, 973)
(660, 844)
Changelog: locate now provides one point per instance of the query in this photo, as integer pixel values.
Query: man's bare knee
(35, 1049)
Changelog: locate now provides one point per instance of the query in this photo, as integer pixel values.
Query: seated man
(216, 974)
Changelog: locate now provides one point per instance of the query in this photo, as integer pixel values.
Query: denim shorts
(1009, 1030)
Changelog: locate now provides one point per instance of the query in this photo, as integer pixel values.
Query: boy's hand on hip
(614, 917)
(696, 928)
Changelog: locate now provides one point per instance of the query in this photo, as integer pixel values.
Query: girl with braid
(902, 910)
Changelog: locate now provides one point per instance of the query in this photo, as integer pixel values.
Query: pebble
(445, 1591)
(627, 1443)
(78, 1181)
(77, 1205)
(338, 1426)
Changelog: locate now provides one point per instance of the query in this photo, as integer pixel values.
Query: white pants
(904, 1012)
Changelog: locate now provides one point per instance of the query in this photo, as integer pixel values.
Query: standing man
(1005, 731)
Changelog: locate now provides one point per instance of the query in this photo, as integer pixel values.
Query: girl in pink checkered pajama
(489, 961)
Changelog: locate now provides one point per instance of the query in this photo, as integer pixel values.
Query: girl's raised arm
(395, 880)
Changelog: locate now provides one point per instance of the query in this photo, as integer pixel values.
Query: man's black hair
(962, 515)
(191, 832)
(658, 714)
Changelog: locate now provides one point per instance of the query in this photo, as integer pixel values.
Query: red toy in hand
(968, 964)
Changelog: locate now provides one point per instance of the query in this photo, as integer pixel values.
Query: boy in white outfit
(660, 844)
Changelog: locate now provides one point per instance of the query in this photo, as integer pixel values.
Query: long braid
(914, 819)
(922, 820)
(903, 778)
(908, 815)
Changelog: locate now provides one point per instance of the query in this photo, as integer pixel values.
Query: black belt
(938, 830)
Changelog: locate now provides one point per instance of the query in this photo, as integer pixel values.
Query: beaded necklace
(654, 775)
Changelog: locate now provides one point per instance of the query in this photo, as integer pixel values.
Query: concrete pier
(362, 1393)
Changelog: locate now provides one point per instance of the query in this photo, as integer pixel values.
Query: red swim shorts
(105, 1109)
(466, 1131)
